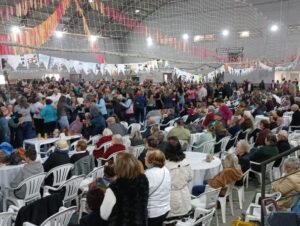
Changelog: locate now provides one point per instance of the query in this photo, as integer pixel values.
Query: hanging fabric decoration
(86, 29)
(36, 36)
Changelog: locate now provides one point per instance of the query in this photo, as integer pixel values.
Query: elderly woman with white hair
(107, 137)
(295, 117)
(247, 121)
(117, 146)
(242, 150)
(289, 185)
(135, 135)
(231, 173)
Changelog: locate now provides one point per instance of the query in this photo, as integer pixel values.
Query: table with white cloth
(202, 170)
(39, 142)
(258, 118)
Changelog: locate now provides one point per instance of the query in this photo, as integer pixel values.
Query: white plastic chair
(94, 139)
(113, 156)
(6, 218)
(268, 170)
(104, 146)
(224, 141)
(71, 189)
(60, 174)
(206, 147)
(62, 218)
(223, 201)
(241, 189)
(197, 220)
(137, 150)
(47, 153)
(253, 212)
(184, 145)
(206, 201)
(96, 173)
(184, 118)
(90, 149)
(125, 124)
(134, 125)
(32, 191)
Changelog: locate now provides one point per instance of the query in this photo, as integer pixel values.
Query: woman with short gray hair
(288, 185)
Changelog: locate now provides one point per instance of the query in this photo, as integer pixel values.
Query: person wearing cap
(180, 132)
(282, 145)
(59, 157)
(265, 152)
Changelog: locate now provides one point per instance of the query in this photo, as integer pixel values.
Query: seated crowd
(154, 186)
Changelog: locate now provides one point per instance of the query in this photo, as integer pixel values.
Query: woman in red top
(107, 137)
(117, 145)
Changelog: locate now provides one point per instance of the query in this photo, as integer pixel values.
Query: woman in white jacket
(159, 187)
(181, 174)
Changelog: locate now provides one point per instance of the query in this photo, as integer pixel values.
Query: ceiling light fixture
(274, 28)
(245, 34)
(225, 33)
(59, 34)
(185, 37)
(93, 38)
(15, 30)
(137, 11)
(198, 38)
(149, 41)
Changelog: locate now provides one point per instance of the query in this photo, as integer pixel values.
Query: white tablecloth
(7, 174)
(202, 170)
(38, 142)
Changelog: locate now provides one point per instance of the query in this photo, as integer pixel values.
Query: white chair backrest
(184, 118)
(288, 114)
(62, 218)
(137, 150)
(90, 149)
(248, 131)
(33, 185)
(208, 147)
(269, 166)
(6, 218)
(60, 174)
(105, 146)
(96, 173)
(72, 186)
(211, 197)
(112, 156)
(205, 220)
(137, 125)
(93, 140)
(125, 124)
(195, 137)
(224, 141)
(126, 141)
(168, 129)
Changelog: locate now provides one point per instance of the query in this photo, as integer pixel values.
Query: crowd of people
(154, 187)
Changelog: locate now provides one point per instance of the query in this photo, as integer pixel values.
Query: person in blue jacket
(49, 114)
(139, 107)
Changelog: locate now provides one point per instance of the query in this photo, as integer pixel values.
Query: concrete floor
(250, 193)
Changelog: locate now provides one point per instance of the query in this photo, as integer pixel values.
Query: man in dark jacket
(282, 145)
(59, 157)
(265, 152)
(295, 117)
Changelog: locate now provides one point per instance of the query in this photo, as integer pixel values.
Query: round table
(202, 170)
(8, 173)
